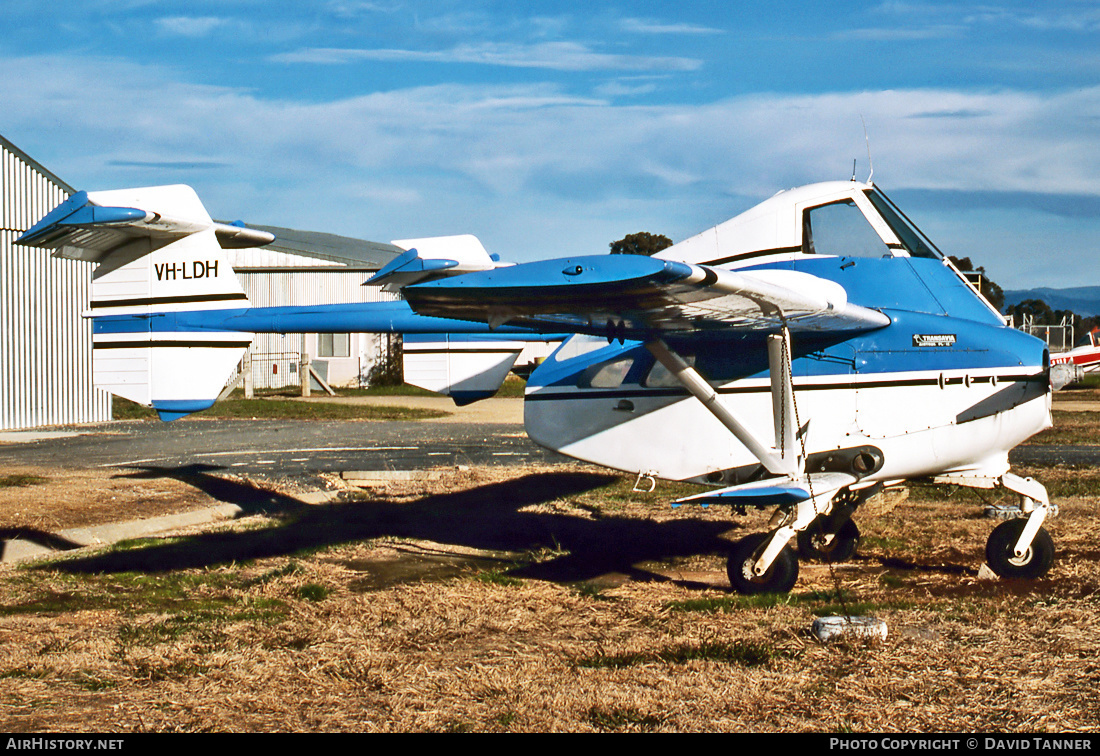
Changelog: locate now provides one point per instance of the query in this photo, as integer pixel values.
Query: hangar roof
(39, 168)
(305, 249)
(291, 248)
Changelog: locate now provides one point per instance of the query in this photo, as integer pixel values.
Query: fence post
(246, 368)
(303, 373)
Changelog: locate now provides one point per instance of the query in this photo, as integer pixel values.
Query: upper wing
(630, 296)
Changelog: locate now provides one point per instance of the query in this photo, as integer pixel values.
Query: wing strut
(784, 459)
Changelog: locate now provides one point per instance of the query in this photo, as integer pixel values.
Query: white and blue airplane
(803, 355)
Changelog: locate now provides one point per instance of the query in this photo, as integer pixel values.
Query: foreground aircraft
(803, 355)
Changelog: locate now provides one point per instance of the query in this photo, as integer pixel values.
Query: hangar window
(334, 345)
(840, 229)
(606, 374)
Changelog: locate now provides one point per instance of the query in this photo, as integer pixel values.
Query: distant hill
(1083, 300)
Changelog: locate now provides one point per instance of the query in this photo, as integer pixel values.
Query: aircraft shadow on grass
(487, 517)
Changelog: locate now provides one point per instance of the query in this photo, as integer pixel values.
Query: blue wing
(631, 296)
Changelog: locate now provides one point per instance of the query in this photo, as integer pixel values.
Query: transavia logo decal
(933, 339)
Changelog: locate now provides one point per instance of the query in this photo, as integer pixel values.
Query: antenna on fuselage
(870, 162)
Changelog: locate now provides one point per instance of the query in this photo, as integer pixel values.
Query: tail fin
(462, 366)
(159, 254)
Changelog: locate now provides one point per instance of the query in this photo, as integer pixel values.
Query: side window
(606, 374)
(840, 229)
(659, 377)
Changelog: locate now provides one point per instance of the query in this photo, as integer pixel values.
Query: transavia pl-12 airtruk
(803, 355)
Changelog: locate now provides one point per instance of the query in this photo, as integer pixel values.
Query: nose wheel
(1000, 551)
(780, 577)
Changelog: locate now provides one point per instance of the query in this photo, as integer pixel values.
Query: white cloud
(901, 34)
(650, 26)
(190, 26)
(534, 170)
(1083, 18)
(624, 88)
(558, 56)
(356, 8)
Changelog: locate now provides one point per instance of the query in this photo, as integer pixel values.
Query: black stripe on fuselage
(750, 255)
(639, 393)
(169, 343)
(143, 301)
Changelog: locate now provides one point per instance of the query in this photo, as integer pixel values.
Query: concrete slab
(493, 411)
(26, 437)
(17, 549)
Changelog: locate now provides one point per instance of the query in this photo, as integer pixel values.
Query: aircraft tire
(812, 545)
(779, 578)
(1001, 558)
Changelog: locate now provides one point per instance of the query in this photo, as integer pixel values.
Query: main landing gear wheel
(1001, 557)
(813, 543)
(779, 578)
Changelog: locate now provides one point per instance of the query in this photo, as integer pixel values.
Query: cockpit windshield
(910, 236)
(1090, 339)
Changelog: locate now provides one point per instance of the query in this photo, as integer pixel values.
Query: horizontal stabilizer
(431, 258)
(116, 227)
(776, 491)
(236, 235)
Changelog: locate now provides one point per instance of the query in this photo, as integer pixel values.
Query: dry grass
(47, 500)
(549, 600)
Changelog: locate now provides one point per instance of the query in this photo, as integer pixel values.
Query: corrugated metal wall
(46, 353)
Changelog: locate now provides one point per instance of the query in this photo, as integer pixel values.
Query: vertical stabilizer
(157, 255)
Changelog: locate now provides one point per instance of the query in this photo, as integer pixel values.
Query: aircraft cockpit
(840, 218)
(836, 219)
(1090, 339)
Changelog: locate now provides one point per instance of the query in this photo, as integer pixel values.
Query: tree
(1038, 310)
(641, 243)
(991, 291)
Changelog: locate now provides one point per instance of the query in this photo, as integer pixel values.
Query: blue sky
(552, 128)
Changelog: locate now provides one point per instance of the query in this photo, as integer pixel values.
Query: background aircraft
(803, 355)
(1085, 355)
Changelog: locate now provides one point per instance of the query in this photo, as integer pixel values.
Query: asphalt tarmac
(303, 447)
(276, 447)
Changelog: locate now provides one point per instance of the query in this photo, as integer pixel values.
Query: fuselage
(945, 388)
